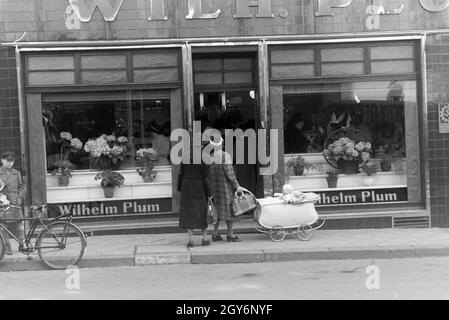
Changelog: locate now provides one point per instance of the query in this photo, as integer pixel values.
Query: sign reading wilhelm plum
(364, 196)
(111, 208)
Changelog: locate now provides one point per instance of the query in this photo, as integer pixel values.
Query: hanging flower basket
(346, 154)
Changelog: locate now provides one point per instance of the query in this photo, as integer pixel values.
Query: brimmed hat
(10, 156)
(218, 143)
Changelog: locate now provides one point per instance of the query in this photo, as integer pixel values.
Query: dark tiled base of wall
(9, 104)
(437, 92)
(358, 223)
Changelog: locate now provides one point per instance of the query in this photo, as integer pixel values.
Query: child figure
(15, 194)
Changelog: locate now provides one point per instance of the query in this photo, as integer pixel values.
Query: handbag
(243, 202)
(212, 215)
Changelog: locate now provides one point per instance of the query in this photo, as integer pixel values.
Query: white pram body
(293, 213)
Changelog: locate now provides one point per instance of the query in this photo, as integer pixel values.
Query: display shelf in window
(87, 178)
(91, 193)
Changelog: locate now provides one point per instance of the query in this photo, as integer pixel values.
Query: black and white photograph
(224, 155)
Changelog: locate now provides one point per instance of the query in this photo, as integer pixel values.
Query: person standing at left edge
(15, 194)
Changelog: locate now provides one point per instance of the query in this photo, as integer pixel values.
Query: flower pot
(148, 178)
(348, 166)
(108, 192)
(385, 166)
(332, 182)
(299, 171)
(63, 180)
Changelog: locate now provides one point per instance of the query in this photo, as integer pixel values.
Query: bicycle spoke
(70, 245)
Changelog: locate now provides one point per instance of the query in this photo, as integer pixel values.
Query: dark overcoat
(13, 190)
(194, 185)
(224, 184)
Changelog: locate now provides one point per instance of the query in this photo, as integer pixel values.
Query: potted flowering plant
(386, 161)
(347, 154)
(63, 169)
(298, 164)
(332, 178)
(106, 152)
(63, 166)
(147, 157)
(109, 181)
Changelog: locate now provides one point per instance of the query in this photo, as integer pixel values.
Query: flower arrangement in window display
(107, 152)
(109, 181)
(347, 154)
(147, 157)
(63, 166)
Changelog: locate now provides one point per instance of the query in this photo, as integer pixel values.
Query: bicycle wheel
(61, 246)
(2, 247)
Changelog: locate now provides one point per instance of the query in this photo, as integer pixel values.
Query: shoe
(216, 237)
(205, 242)
(233, 239)
(190, 244)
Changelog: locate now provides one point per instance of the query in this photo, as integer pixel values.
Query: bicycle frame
(25, 245)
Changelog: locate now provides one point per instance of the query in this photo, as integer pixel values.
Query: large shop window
(77, 127)
(374, 112)
(382, 115)
(351, 121)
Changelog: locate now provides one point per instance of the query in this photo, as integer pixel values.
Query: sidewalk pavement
(157, 249)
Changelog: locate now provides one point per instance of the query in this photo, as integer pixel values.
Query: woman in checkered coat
(224, 184)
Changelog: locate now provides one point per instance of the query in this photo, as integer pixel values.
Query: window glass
(71, 126)
(322, 119)
(376, 110)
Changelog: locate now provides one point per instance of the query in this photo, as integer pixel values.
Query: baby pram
(288, 213)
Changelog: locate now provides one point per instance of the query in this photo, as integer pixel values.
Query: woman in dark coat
(15, 193)
(194, 185)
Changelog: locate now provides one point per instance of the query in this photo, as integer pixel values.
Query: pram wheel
(277, 234)
(305, 233)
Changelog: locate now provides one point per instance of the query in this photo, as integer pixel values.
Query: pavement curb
(22, 264)
(184, 256)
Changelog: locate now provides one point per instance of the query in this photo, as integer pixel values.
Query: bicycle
(59, 244)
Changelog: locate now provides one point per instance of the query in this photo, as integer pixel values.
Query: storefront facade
(315, 71)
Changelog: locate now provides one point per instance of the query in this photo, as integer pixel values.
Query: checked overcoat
(224, 184)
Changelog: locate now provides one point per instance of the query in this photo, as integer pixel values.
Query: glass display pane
(292, 56)
(155, 60)
(388, 67)
(207, 65)
(156, 75)
(208, 78)
(356, 124)
(342, 54)
(392, 52)
(342, 69)
(238, 77)
(237, 64)
(74, 131)
(51, 78)
(292, 71)
(51, 63)
(102, 77)
(103, 62)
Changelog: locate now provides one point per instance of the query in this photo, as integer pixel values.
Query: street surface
(424, 278)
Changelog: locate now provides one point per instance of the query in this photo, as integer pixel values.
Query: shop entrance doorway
(226, 97)
(232, 110)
